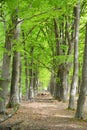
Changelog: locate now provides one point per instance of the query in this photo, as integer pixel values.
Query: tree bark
(31, 84)
(26, 67)
(51, 86)
(31, 74)
(20, 84)
(35, 82)
(5, 74)
(27, 78)
(14, 91)
(83, 89)
(65, 84)
(75, 69)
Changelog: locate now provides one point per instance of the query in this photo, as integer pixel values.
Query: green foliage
(44, 77)
(0, 97)
(36, 21)
(0, 89)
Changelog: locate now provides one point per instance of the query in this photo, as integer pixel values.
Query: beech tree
(83, 88)
(75, 62)
(14, 90)
(5, 75)
(64, 44)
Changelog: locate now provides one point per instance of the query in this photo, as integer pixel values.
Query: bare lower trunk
(83, 89)
(35, 82)
(31, 87)
(58, 90)
(65, 86)
(14, 92)
(52, 82)
(4, 82)
(20, 84)
(61, 88)
(72, 94)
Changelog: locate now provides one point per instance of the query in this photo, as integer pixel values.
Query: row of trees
(40, 35)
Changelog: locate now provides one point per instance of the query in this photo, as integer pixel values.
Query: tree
(64, 45)
(83, 89)
(14, 92)
(75, 62)
(5, 75)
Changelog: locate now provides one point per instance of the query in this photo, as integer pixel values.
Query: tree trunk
(62, 70)
(27, 79)
(83, 89)
(31, 76)
(26, 67)
(58, 90)
(52, 82)
(5, 74)
(57, 72)
(14, 92)
(31, 85)
(20, 85)
(75, 69)
(65, 85)
(35, 82)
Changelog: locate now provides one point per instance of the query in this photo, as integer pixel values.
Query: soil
(43, 113)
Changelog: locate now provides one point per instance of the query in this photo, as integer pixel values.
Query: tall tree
(75, 62)
(63, 50)
(14, 92)
(83, 89)
(5, 73)
(5, 76)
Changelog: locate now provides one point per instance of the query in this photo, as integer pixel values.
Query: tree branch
(36, 15)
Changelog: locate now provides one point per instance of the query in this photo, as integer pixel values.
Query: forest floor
(44, 113)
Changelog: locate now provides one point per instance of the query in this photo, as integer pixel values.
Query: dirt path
(44, 113)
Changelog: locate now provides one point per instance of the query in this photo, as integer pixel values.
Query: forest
(43, 64)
